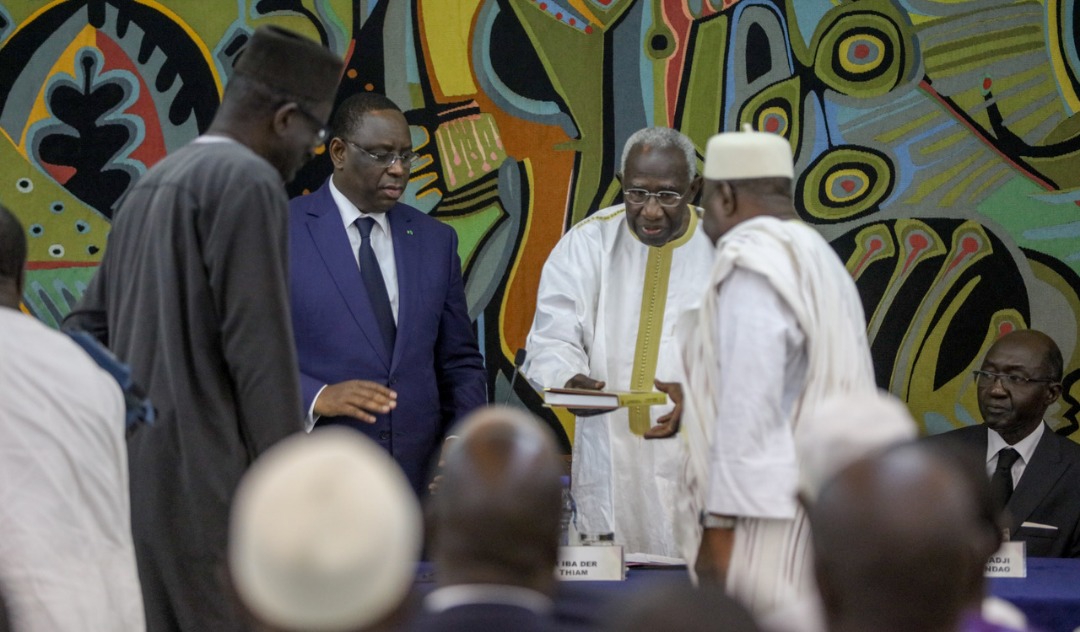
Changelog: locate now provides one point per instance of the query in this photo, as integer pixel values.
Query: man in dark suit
(495, 527)
(378, 304)
(1035, 473)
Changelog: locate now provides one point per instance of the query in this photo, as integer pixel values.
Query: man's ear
(1053, 393)
(336, 148)
(695, 187)
(282, 117)
(726, 193)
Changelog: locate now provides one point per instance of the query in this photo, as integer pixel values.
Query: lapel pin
(408, 232)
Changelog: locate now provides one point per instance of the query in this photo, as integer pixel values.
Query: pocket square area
(1037, 525)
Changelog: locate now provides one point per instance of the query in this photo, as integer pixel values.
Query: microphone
(519, 360)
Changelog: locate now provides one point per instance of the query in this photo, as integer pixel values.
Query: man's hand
(714, 556)
(587, 383)
(433, 486)
(668, 425)
(359, 399)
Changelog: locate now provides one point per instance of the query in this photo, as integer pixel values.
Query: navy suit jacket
(486, 617)
(436, 368)
(1048, 492)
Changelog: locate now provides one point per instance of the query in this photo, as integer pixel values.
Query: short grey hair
(660, 138)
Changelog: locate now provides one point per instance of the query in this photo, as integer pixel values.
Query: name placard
(591, 563)
(1009, 561)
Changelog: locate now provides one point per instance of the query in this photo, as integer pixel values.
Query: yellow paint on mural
(446, 25)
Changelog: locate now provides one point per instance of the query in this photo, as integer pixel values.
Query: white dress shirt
(381, 241)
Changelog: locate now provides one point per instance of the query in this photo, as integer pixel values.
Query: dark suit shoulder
(1070, 450)
(969, 441)
(967, 435)
(416, 217)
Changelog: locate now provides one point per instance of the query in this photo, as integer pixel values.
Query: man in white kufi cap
(781, 328)
(325, 535)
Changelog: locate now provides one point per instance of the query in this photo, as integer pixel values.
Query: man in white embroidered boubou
(609, 296)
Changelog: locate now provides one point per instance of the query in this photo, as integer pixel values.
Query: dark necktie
(376, 287)
(1001, 483)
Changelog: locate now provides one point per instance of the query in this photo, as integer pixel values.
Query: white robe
(588, 310)
(67, 561)
(781, 329)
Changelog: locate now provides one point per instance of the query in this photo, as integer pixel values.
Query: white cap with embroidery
(325, 533)
(746, 155)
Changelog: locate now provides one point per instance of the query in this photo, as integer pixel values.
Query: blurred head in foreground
(901, 539)
(325, 534)
(495, 517)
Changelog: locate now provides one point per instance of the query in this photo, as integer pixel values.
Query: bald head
(901, 539)
(1041, 347)
(496, 513)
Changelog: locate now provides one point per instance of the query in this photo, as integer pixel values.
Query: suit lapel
(407, 258)
(331, 241)
(1039, 477)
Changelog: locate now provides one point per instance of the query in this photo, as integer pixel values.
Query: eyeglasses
(986, 378)
(663, 198)
(323, 133)
(386, 159)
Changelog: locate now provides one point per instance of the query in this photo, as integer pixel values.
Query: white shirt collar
(1025, 447)
(214, 138)
(349, 212)
(448, 597)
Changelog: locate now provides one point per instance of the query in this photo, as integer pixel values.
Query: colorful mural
(936, 142)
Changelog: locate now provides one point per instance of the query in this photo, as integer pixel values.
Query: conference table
(1049, 595)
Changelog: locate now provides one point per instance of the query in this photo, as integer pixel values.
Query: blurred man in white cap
(781, 328)
(192, 293)
(609, 297)
(844, 429)
(884, 521)
(325, 535)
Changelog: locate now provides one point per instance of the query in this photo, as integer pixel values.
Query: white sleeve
(566, 303)
(753, 472)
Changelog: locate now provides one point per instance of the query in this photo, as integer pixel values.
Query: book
(601, 400)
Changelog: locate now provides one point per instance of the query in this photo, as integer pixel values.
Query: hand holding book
(584, 401)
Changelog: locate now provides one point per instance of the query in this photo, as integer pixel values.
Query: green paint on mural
(705, 90)
(472, 229)
(1015, 208)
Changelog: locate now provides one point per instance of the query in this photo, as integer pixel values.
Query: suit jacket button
(384, 436)
(393, 381)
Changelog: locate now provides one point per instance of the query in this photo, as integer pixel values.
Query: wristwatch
(714, 521)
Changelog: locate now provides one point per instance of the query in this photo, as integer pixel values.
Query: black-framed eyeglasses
(663, 198)
(987, 378)
(323, 132)
(386, 159)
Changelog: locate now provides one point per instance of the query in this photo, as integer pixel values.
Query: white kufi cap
(844, 429)
(747, 155)
(325, 533)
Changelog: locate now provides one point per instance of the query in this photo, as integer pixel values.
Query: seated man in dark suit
(1035, 473)
(495, 527)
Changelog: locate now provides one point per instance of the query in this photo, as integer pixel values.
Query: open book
(601, 400)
